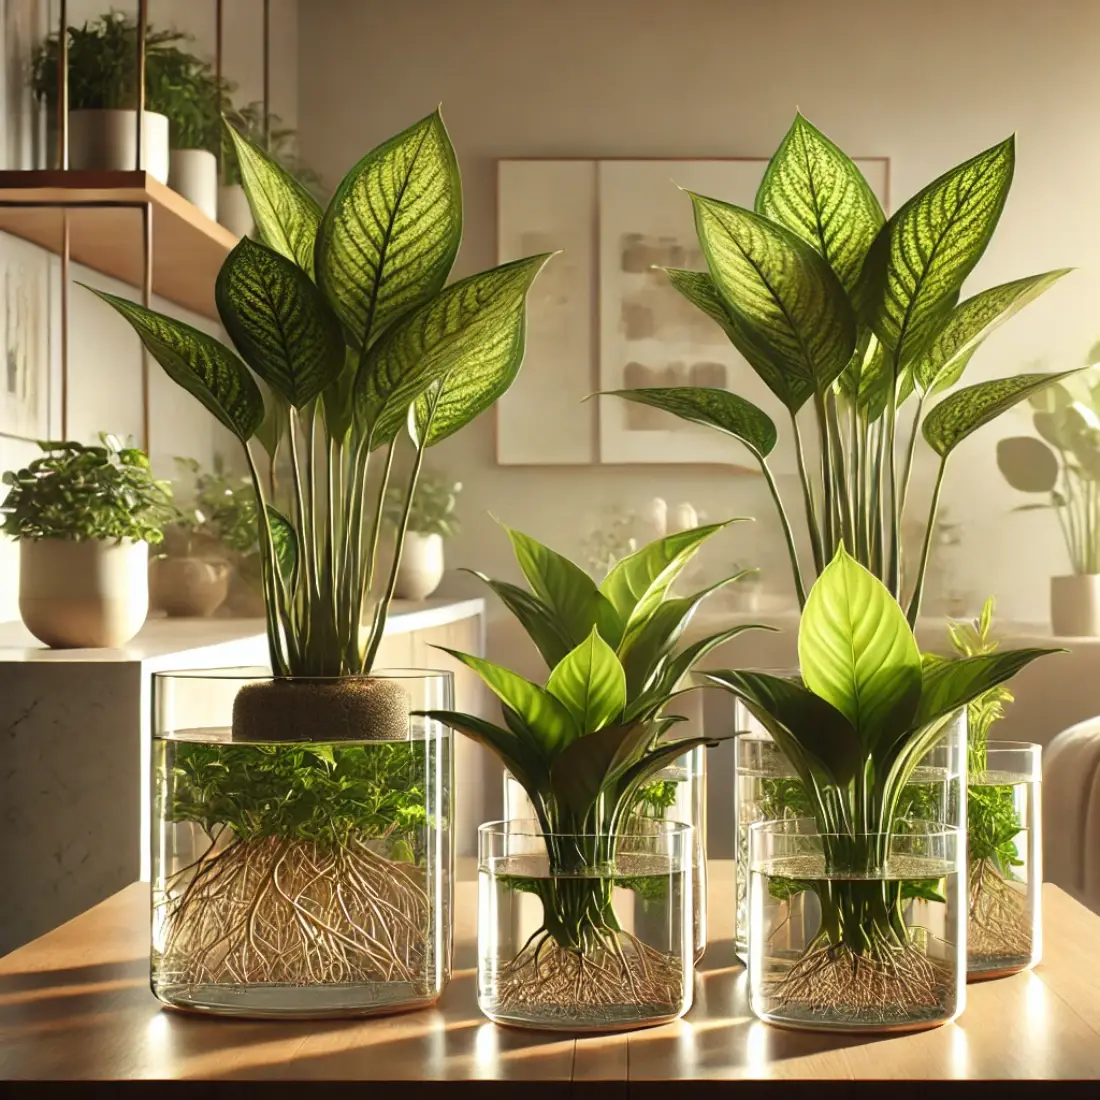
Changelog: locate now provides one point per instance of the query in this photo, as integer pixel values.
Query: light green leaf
(815, 190)
(392, 230)
(473, 327)
(1027, 464)
(590, 683)
(275, 424)
(691, 655)
(856, 650)
(200, 364)
(285, 213)
(284, 539)
(712, 408)
(279, 321)
(968, 409)
(780, 288)
(923, 254)
(535, 617)
(941, 363)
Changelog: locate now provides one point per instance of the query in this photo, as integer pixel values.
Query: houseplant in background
(84, 517)
(188, 578)
(1063, 465)
(585, 911)
(635, 591)
(886, 949)
(313, 774)
(431, 520)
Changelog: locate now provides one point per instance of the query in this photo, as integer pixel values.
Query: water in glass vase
(300, 879)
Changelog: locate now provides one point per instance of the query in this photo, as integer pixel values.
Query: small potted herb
(84, 518)
(431, 520)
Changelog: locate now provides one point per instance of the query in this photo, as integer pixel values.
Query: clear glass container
(584, 933)
(675, 793)
(1004, 860)
(766, 788)
(856, 933)
(302, 849)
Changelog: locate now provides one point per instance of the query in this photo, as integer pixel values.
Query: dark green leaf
(275, 424)
(535, 618)
(284, 539)
(1027, 464)
(582, 772)
(590, 683)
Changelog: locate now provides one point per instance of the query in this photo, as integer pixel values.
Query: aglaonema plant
(856, 318)
(863, 714)
(344, 317)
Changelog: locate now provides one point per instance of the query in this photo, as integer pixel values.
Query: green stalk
(306, 555)
(926, 550)
(808, 495)
(799, 588)
(910, 453)
(829, 501)
(269, 570)
(894, 581)
(840, 473)
(366, 581)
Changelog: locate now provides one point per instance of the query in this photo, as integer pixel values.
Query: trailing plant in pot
(853, 321)
(343, 316)
(1063, 465)
(585, 746)
(431, 520)
(84, 517)
(854, 727)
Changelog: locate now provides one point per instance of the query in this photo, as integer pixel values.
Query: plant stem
(808, 494)
(829, 504)
(800, 590)
(270, 572)
(910, 453)
(894, 578)
(840, 473)
(918, 591)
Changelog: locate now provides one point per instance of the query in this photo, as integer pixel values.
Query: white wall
(925, 82)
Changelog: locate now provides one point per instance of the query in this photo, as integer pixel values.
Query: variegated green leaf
(923, 254)
(285, 542)
(782, 290)
(279, 321)
(392, 230)
(202, 365)
(286, 215)
(815, 190)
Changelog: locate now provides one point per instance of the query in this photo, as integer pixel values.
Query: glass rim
(663, 829)
(782, 828)
(1029, 747)
(252, 673)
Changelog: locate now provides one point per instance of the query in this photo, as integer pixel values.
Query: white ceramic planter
(83, 595)
(106, 141)
(421, 567)
(1075, 605)
(233, 210)
(193, 173)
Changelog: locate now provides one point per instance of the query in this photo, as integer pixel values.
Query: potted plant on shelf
(84, 518)
(585, 917)
(886, 951)
(188, 578)
(431, 520)
(306, 794)
(1064, 465)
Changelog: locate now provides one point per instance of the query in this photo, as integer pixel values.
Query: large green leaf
(535, 617)
(199, 363)
(712, 408)
(780, 287)
(586, 768)
(941, 363)
(698, 287)
(279, 321)
(474, 327)
(691, 655)
(1027, 464)
(968, 409)
(590, 683)
(923, 254)
(284, 540)
(856, 650)
(392, 230)
(286, 214)
(815, 190)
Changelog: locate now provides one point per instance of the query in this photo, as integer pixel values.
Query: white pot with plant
(432, 519)
(1063, 465)
(84, 518)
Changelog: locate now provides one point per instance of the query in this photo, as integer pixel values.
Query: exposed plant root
(294, 912)
(998, 927)
(619, 971)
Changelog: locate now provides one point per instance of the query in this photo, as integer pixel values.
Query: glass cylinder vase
(856, 933)
(766, 788)
(1004, 859)
(302, 849)
(675, 793)
(584, 933)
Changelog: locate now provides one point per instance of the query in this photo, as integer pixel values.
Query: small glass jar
(675, 793)
(1004, 860)
(856, 933)
(302, 850)
(584, 933)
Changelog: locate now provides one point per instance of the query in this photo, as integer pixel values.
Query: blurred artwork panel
(24, 339)
(544, 206)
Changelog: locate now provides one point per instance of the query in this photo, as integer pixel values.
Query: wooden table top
(75, 1005)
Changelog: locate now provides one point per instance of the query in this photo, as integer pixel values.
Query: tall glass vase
(302, 851)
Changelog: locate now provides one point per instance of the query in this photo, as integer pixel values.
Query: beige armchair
(1071, 812)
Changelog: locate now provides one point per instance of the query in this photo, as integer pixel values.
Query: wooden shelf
(188, 248)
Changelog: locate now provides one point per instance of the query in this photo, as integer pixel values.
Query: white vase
(106, 141)
(1075, 605)
(83, 595)
(233, 210)
(193, 173)
(421, 566)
